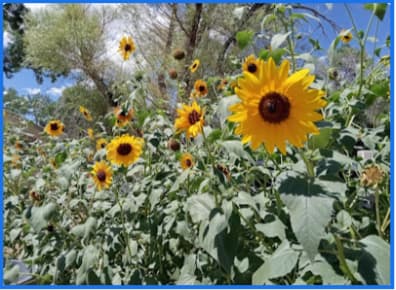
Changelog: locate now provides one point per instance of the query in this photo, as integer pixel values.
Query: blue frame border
(392, 131)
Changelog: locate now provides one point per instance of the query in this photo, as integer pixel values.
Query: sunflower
(54, 128)
(124, 150)
(190, 119)
(102, 175)
(194, 65)
(90, 132)
(86, 113)
(123, 116)
(101, 144)
(127, 46)
(201, 88)
(371, 176)
(186, 161)
(346, 36)
(18, 145)
(275, 107)
(252, 65)
(223, 83)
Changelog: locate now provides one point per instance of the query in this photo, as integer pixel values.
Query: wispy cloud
(32, 91)
(57, 91)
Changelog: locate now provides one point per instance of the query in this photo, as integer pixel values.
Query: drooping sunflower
(201, 88)
(54, 128)
(194, 66)
(372, 176)
(186, 161)
(252, 65)
(101, 144)
(90, 133)
(102, 175)
(190, 120)
(127, 46)
(345, 36)
(123, 116)
(276, 107)
(124, 150)
(87, 115)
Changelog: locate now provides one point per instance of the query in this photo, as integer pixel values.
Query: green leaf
(310, 210)
(215, 135)
(277, 54)
(60, 158)
(41, 215)
(200, 206)
(272, 229)
(264, 54)
(379, 9)
(376, 252)
(325, 270)
(11, 275)
(235, 148)
(279, 264)
(322, 140)
(70, 258)
(244, 38)
(377, 51)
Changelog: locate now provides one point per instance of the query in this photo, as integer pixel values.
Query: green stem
(377, 213)
(123, 223)
(341, 258)
(308, 164)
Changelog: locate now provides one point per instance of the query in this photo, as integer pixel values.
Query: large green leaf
(379, 9)
(41, 215)
(310, 210)
(280, 263)
(325, 270)
(244, 38)
(376, 252)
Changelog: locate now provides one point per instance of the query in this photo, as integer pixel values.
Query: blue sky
(24, 81)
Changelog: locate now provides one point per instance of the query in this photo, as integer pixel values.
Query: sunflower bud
(172, 73)
(332, 73)
(173, 145)
(178, 54)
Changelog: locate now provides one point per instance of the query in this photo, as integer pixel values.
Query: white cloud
(34, 7)
(56, 91)
(32, 91)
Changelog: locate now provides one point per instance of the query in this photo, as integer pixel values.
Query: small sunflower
(371, 176)
(194, 66)
(276, 107)
(201, 88)
(127, 46)
(223, 83)
(54, 128)
(101, 144)
(252, 65)
(345, 36)
(123, 116)
(124, 150)
(18, 145)
(186, 161)
(190, 120)
(90, 132)
(102, 175)
(87, 115)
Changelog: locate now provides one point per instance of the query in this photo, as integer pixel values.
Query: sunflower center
(103, 145)
(54, 126)
(124, 149)
(194, 65)
(252, 67)
(188, 163)
(101, 175)
(128, 47)
(123, 113)
(274, 107)
(193, 117)
(201, 88)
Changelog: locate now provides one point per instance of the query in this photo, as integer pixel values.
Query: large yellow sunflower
(194, 66)
(201, 88)
(186, 161)
(124, 150)
(54, 128)
(252, 65)
(101, 144)
(87, 115)
(276, 107)
(190, 120)
(102, 175)
(127, 46)
(345, 36)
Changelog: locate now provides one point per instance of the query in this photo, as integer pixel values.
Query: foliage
(233, 215)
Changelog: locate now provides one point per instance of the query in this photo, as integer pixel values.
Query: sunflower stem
(341, 258)
(377, 213)
(123, 223)
(308, 164)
